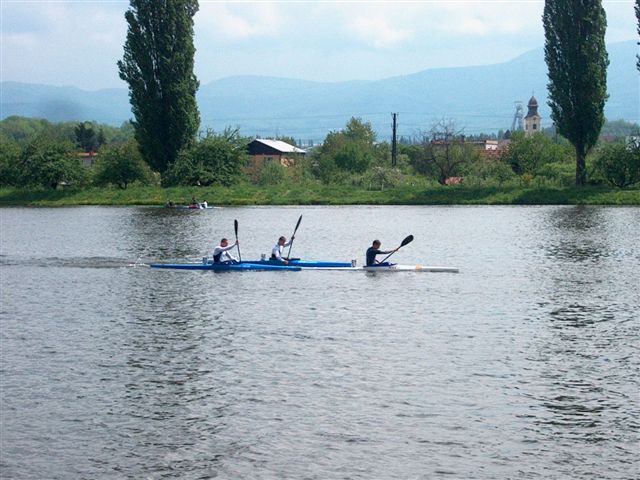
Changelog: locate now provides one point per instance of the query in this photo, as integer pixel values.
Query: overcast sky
(79, 42)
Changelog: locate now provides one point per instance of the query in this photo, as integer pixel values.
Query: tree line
(38, 154)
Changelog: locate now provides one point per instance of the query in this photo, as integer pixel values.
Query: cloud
(377, 32)
(20, 40)
(239, 21)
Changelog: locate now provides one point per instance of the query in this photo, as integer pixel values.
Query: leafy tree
(158, 66)
(217, 159)
(577, 60)
(360, 132)
(86, 137)
(101, 138)
(619, 164)
(445, 153)
(121, 165)
(352, 157)
(637, 9)
(325, 168)
(48, 163)
(350, 150)
(9, 158)
(527, 154)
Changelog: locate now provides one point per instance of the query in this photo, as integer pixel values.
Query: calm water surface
(523, 365)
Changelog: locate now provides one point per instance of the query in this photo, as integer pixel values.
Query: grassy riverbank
(315, 194)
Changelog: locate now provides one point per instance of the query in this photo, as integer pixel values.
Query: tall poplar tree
(637, 9)
(577, 61)
(158, 66)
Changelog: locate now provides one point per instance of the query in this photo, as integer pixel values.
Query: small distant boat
(191, 206)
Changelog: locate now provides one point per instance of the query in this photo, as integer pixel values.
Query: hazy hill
(479, 98)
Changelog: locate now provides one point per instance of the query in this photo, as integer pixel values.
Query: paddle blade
(297, 225)
(406, 241)
(235, 225)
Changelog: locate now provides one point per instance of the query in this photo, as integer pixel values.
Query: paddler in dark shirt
(374, 250)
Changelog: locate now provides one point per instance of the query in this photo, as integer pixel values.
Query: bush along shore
(319, 194)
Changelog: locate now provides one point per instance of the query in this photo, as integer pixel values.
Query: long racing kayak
(224, 267)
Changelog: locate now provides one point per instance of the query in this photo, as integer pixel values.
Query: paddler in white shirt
(221, 252)
(276, 251)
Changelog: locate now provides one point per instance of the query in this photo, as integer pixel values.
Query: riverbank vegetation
(319, 194)
(41, 163)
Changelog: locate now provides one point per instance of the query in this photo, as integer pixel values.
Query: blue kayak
(224, 267)
(303, 263)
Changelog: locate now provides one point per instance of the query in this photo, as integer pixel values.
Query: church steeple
(532, 120)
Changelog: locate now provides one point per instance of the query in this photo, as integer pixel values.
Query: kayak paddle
(294, 234)
(406, 241)
(235, 224)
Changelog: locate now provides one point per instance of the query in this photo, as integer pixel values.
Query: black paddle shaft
(294, 234)
(406, 241)
(235, 225)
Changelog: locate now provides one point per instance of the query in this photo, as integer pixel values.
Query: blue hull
(304, 263)
(221, 267)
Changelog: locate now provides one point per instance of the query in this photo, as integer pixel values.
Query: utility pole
(394, 144)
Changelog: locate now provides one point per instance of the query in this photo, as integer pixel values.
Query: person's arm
(228, 247)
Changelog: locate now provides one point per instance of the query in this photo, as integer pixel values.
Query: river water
(523, 365)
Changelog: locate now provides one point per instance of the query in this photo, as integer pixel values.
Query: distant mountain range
(478, 98)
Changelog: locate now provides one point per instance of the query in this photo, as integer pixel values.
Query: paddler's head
(282, 240)
(224, 242)
(376, 244)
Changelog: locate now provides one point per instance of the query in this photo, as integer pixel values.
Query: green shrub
(121, 166)
(619, 164)
(47, 162)
(558, 173)
(271, 173)
(217, 159)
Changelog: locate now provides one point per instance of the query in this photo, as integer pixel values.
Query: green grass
(316, 194)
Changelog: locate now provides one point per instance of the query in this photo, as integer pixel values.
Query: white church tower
(532, 120)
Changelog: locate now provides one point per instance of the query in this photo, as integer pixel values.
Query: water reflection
(160, 233)
(576, 233)
(581, 393)
(170, 380)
